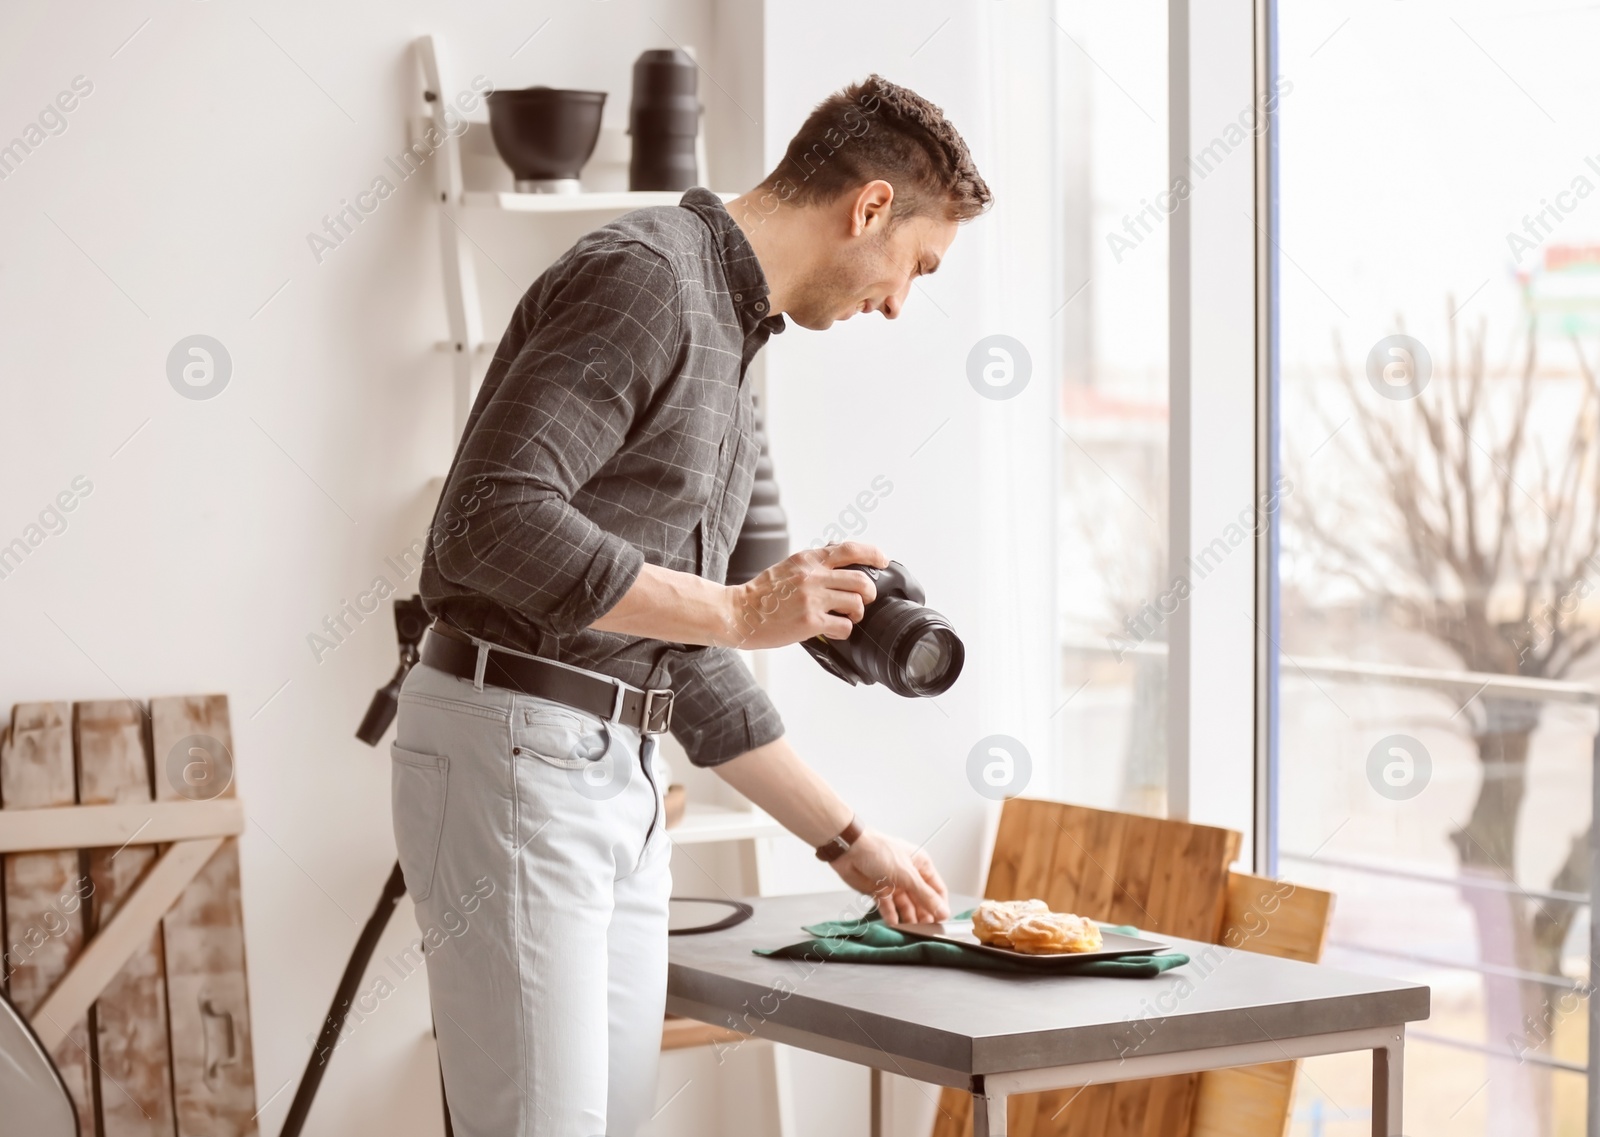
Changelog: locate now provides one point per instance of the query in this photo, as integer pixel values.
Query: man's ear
(871, 207)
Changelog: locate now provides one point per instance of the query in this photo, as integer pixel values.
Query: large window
(1112, 422)
(1438, 265)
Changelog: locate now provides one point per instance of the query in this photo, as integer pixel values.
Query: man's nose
(892, 304)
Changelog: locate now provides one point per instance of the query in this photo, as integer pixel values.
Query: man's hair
(877, 129)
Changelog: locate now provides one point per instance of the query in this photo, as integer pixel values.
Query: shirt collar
(747, 283)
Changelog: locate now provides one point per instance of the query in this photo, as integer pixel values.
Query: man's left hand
(901, 877)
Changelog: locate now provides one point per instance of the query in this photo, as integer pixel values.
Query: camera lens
(910, 649)
(929, 658)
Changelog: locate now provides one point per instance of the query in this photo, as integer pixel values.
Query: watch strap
(840, 845)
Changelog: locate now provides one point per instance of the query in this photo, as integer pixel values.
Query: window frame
(1221, 692)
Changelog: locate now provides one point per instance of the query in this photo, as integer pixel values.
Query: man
(575, 577)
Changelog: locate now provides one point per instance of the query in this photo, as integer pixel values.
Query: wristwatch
(840, 845)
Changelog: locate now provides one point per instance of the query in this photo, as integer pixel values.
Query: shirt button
(761, 305)
(737, 297)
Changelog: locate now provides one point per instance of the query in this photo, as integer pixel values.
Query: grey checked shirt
(615, 427)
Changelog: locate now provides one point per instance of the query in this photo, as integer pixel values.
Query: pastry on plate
(1054, 933)
(992, 919)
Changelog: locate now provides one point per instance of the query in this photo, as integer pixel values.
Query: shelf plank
(617, 202)
(679, 1033)
(706, 824)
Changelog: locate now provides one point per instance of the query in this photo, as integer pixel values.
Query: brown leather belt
(452, 651)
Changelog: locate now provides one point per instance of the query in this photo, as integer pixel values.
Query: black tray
(1116, 945)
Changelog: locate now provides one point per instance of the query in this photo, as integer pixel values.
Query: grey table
(994, 1035)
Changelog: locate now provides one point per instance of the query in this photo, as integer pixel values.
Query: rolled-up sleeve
(720, 711)
(600, 340)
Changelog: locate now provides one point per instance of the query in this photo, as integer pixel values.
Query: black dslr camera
(909, 648)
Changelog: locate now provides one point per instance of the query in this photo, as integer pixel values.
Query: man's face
(864, 263)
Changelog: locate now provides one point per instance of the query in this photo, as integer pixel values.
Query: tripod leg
(328, 1040)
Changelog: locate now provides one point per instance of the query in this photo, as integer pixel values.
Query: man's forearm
(775, 778)
(809, 593)
(677, 607)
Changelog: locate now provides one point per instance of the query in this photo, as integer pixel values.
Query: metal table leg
(1386, 1044)
(988, 1111)
(1388, 1078)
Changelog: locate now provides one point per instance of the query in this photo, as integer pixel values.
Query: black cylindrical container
(663, 119)
(764, 536)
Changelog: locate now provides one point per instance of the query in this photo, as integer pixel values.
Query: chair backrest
(1161, 876)
(1273, 917)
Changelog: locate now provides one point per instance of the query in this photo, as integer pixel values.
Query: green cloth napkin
(869, 940)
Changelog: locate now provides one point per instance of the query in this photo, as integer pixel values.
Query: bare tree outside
(1474, 521)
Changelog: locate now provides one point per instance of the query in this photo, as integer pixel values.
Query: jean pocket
(566, 739)
(417, 796)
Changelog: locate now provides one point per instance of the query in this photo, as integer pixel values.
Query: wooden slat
(1274, 918)
(1005, 862)
(1090, 1115)
(133, 1071)
(1070, 869)
(103, 826)
(44, 892)
(208, 997)
(1101, 835)
(1034, 877)
(1135, 896)
(1171, 878)
(104, 956)
(1199, 892)
(1250, 1101)
(1167, 877)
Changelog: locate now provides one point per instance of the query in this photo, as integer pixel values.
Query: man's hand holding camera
(804, 595)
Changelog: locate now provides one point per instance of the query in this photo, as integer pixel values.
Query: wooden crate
(123, 931)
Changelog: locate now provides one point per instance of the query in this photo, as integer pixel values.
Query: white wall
(220, 533)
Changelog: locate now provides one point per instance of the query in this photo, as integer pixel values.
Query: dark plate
(1116, 945)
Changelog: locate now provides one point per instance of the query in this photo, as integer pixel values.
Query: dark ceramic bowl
(545, 134)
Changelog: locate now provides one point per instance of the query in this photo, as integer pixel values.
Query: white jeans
(532, 837)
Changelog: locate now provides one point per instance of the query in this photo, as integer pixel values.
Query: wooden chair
(1168, 877)
(1275, 918)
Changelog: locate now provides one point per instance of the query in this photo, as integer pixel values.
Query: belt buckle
(650, 707)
